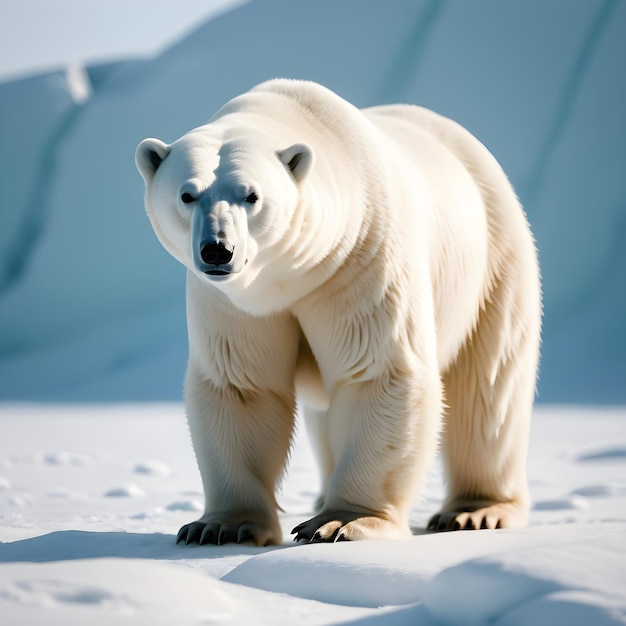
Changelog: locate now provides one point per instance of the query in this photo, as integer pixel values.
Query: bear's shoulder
(299, 102)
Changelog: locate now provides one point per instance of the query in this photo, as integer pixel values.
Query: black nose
(216, 253)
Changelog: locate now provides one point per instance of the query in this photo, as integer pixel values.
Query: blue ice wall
(91, 308)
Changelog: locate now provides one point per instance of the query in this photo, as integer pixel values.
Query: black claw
(194, 532)
(208, 535)
(228, 534)
(245, 534)
(182, 535)
(204, 538)
(301, 534)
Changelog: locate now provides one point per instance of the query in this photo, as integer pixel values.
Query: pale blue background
(91, 308)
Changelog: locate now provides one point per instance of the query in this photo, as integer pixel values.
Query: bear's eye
(187, 198)
(252, 198)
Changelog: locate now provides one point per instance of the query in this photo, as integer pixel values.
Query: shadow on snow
(69, 545)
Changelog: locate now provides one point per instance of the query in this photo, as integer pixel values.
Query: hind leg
(317, 430)
(489, 391)
(314, 403)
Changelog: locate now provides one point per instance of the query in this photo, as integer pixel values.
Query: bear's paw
(220, 533)
(333, 526)
(468, 517)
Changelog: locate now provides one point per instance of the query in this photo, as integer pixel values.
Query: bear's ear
(149, 155)
(298, 159)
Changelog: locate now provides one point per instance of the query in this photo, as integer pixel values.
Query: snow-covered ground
(91, 498)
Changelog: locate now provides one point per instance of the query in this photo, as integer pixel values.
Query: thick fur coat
(374, 264)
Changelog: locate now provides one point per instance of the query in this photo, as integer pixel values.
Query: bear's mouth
(220, 272)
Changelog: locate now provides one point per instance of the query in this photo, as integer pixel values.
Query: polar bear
(376, 265)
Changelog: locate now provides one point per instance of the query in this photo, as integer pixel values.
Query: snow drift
(91, 499)
(91, 308)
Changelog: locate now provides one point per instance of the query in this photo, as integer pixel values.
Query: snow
(92, 308)
(71, 552)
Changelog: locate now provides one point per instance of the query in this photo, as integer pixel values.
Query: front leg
(241, 408)
(374, 343)
(384, 434)
(241, 438)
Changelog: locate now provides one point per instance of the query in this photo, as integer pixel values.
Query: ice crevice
(567, 101)
(74, 80)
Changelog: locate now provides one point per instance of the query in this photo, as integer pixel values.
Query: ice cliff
(91, 307)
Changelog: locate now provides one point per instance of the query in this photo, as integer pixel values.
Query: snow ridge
(79, 542)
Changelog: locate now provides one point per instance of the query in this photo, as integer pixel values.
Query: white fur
(382, 268)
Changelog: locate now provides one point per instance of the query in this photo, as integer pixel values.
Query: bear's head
(221, 200)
